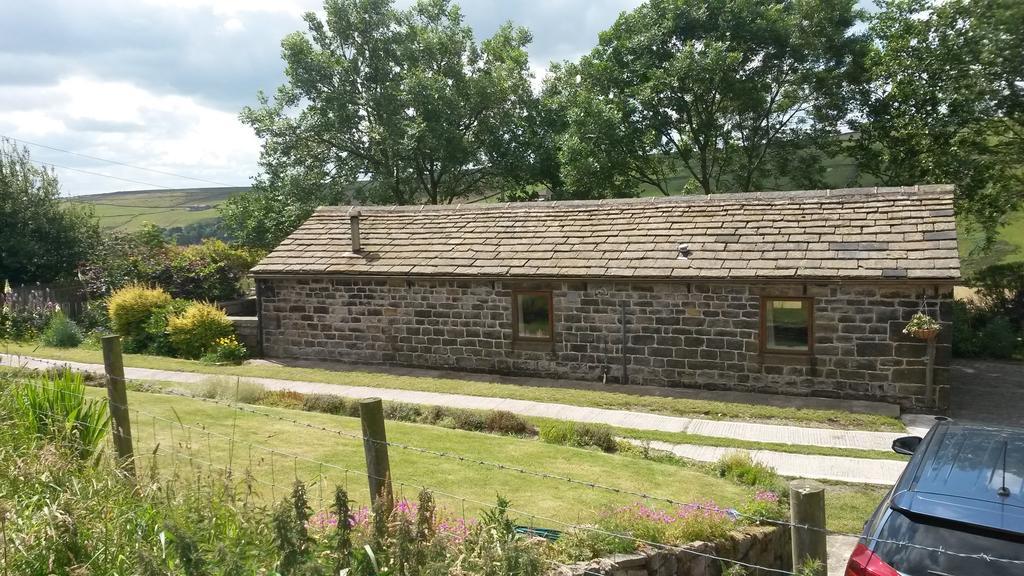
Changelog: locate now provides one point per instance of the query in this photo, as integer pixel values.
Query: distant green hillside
(166, 208)
(1008, 247)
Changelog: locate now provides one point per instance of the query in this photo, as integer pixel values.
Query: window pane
(534, 316)
(787, 324)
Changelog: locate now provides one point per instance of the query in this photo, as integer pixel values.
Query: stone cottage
(801, 293)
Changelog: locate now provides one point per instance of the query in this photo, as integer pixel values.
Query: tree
(42, 237)
(944, 101)
(730, 91)
(387, 106)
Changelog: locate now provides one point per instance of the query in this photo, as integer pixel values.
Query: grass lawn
(575, 397)
(531, 496)
(848, 506)
(549, 498)
(202, 388)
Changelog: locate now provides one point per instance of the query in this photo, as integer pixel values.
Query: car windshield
(950, 537)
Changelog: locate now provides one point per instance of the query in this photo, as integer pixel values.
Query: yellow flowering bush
(194, 332)
(131, 307)
(226, 350)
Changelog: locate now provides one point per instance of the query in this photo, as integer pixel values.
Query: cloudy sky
(159, 83)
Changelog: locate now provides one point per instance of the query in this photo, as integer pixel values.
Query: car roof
(968, 474)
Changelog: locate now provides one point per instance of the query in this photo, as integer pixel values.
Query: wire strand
(116, 162)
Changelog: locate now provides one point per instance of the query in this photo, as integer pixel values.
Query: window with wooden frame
(533, 316)
(787, 325)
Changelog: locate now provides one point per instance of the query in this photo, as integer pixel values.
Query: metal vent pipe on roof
(354, 230)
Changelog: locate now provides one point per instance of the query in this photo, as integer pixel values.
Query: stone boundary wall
(762, 546)
(247, 330)
(677, 334)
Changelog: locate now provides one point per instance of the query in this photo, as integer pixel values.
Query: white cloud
(235, 7)
(120, 121)
(159, 83)
(233, 25)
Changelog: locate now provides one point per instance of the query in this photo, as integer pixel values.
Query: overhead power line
(52, 165)
(118, 163)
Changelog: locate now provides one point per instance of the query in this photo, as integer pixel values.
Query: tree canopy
(42, 237)
(716, 89)
(386, 105)
(944, 101)
(403, 105)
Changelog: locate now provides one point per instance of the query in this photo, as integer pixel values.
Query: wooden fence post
(375, 447)
(807, 508)
(117, 401)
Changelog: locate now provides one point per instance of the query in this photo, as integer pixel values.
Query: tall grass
(54, 408)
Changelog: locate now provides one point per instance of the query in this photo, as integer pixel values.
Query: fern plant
(55, 408)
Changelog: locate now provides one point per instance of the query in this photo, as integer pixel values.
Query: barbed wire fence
(269, 460)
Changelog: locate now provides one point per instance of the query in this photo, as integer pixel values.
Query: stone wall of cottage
(677, 334)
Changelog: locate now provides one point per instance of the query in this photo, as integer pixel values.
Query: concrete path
(753, 398)
(988, 392)
(839, 549)
(838, 468)
(622, 418)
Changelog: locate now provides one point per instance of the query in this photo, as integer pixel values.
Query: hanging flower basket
(922, 326)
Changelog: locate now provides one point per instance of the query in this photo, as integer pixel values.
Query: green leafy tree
(386, 105)
(728, 91)
(42, 237)
(944, 101)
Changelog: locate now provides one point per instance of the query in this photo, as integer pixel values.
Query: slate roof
(864, 233)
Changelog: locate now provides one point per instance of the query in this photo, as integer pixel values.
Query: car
(957, 509)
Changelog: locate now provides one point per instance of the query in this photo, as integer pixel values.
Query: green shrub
(157, 340)
(326, 403)
(999, 339)
(95, 316)
(55, 409)
(212, 270)
(467, 420)
(130, 308)
(227, 350)
(24, 323)
(62, 332)
(289, 399)
(981, 333)
(434, 415)
(504, 422)
(233, 389)
(580, 435)
(767, 505)
(1001, 290)
(582, 545)
(966, 321)
(194, 332)
(703, 521)
(402, 412)
(740, 467)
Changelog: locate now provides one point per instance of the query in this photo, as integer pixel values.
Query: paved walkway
(838, 468)
(988, 392)
(750, 431)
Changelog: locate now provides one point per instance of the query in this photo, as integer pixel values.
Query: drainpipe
(259, 318)
(625, 374)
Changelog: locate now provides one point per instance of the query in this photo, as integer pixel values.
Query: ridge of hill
(168, 208)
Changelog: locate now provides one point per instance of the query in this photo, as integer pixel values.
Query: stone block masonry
(768, 547)
(676, 334)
